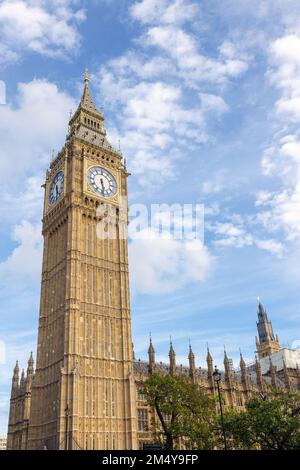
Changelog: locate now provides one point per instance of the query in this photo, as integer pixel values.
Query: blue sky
(205, 99)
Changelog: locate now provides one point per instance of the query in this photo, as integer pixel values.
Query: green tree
(272, 423)
(183, 409)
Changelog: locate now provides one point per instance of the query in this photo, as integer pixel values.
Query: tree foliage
(183, 409)
(268, 424)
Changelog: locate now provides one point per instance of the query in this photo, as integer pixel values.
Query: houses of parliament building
(86, 389)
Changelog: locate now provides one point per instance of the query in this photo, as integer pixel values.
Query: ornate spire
(262, 314)
(259, 377)
(172, 357)
(244, 372)
(209, 358)
(87, 102)
(22, 381)
(30, 362)
(151, 355)
(15, 381)
(30, 373)
(227, 366)
(210, 367)
(242, 362)
(16, 370)
(226, 360)
(192, 363)
(266, 343)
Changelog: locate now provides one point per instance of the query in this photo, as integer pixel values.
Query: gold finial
(86, 76)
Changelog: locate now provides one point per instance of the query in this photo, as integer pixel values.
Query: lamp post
(217, 379)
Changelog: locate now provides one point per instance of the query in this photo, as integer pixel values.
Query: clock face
(102, 182)
(57, 187)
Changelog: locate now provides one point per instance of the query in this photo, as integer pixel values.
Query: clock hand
(102, 184)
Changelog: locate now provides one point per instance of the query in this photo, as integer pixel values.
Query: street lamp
(217, 379)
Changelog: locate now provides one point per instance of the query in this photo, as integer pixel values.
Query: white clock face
(56, 188)
(102, 182)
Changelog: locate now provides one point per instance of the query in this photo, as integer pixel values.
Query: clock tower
(83, 395)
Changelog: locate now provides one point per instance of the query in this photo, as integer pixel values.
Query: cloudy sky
(205, 99)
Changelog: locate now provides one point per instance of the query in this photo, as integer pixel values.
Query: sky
(204, 98)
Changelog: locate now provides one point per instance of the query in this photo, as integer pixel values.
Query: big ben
(83, 395)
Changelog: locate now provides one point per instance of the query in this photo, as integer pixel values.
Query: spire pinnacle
(86, 76)
(225, 354)
(30, 360)
(191, 354)
(87, 102)
(172, 352)
(16, 369)
(242, 362)
(151, 348)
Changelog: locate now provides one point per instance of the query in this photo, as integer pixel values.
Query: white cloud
(213, 103)
(284, 57)
(217, 183)
(153, 123)
(23, 266)
(167, 264)
(166, 90)
(272, 246)
(183, 47)
(280, 208)
(164, 11)
(45, 27)
(39, 121)
(231, 235)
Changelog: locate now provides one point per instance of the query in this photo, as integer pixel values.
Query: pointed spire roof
(226, 360)
(262, 314)
(191, 354)
(16, 369)
(22, 382)
(30, 360)
(87, 102)
(242, 362)
(208, 356)
(151, 347)
(171, 351)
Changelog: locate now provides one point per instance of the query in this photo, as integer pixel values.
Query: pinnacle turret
(172, 357)
(227, 366)
(151, 355)
(192, 367)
